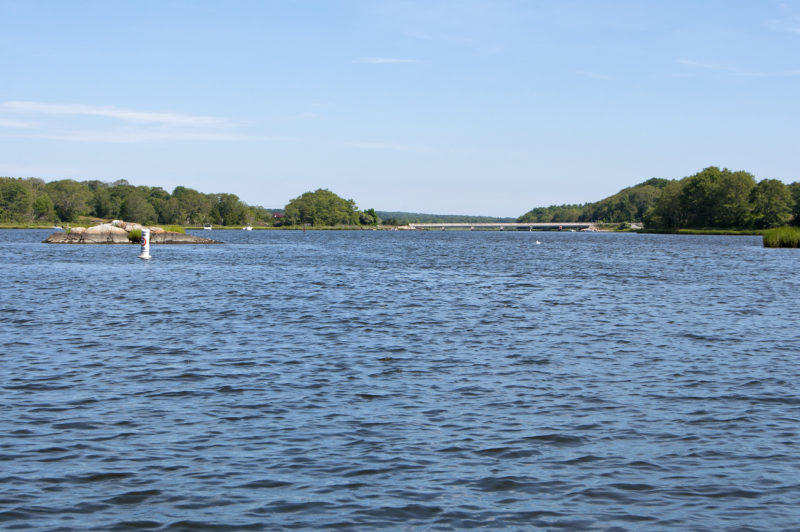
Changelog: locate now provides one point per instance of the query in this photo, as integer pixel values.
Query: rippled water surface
(400, 381)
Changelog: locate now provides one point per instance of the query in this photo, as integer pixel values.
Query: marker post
(145, 240)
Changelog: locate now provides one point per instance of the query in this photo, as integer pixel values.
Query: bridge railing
(503, 225)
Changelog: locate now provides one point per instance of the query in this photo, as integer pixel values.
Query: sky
(449, 107)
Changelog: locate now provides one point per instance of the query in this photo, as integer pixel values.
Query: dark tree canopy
(70, 198)
(321, 207)
(712, 198)
(27, 200)
(772, 203)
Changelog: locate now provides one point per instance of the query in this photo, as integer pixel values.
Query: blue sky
(464, 107)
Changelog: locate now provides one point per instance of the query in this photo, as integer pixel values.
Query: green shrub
(135, 235)
(782, 237)
(174, 229)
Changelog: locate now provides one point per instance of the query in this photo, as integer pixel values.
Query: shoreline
(685, 232)
(610, 229)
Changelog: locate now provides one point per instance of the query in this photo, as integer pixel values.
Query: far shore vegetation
(782, 237)
(712, 201)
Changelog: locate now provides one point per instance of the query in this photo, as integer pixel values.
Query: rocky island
(119, 232)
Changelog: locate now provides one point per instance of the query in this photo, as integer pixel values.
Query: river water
(362, 380)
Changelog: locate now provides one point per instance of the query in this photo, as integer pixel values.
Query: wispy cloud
(134, 137)
(78, 123)
(739, 73)
(125, 115)
(385, 60)
(385, 146)
(789, 21)
(14, 124)
(777, 74)
(704, 66)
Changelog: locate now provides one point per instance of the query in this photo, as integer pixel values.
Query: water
(400, 381)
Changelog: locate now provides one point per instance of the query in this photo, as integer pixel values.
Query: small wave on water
(399, 381)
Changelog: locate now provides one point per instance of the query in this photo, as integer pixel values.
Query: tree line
(33, 200)
(712, 198)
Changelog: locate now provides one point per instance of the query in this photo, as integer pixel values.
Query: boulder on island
(104, 234)
(117, 233)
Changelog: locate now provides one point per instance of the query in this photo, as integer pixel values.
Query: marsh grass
(174, 229)
(782, 237)
(135, 235)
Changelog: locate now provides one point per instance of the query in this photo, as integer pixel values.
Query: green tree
(188, 206)
(136, 208)
(157, 197)
(321, 207)
(230, 209)
(772, 203)
(718, 198)
(70, 198)
(102, 206)
(16, 200)
(794, 189)
(258, 214)
(555, 213)
(43, 208)
(669, 211)
(369, 217)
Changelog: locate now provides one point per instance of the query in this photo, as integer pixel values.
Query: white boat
(247, 227)
(207, 227)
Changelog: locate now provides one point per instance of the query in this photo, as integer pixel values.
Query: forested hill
(712, 198)
(628, 205)
(403, 218)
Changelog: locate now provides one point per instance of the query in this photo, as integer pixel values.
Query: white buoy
(145, 240)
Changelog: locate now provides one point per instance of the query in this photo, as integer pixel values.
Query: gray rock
(117, 233)
(105, 234)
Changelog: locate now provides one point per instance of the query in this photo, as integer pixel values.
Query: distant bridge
(590, 226)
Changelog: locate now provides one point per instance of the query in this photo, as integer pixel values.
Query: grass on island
(135, 235)
(782, 237)
(174, 229)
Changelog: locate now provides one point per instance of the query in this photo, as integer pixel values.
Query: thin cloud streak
(391, 147)
(139, 137)
(385, 60)
(125, 115)
(705, 66)
(15, 124)
(132, 126)
(740, 73)
(784, 74)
